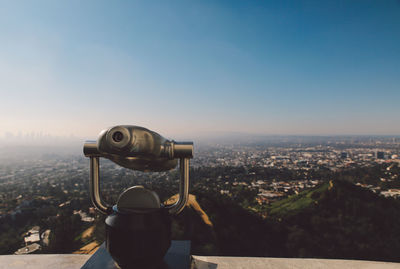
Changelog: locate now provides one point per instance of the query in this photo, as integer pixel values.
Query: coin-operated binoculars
(138, 227)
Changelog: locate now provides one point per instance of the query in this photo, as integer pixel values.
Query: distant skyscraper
(380, 155)
(343, 155)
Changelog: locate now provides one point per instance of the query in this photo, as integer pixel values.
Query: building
(380, 155)
(28, 249)
(46, 237)
(32, 236)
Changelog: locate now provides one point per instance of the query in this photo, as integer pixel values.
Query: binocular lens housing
(117, 136)
(138, 148)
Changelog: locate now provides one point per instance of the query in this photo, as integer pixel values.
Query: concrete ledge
(31, 261)
(211, 262)
(72, 261)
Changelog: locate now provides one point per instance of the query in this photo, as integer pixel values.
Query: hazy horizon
(198, 68)
(38, 139)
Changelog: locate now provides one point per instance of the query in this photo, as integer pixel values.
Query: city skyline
(11, 140)
(200, 68)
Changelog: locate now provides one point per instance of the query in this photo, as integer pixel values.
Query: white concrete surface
(39, 261)
(72, 261)
(211, 262)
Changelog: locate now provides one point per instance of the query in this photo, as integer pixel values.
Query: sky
(186, 68)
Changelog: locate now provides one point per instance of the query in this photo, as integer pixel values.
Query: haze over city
(200, 68)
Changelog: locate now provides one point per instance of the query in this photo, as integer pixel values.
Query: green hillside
(334, 220)
(296, 203)
(340, 220)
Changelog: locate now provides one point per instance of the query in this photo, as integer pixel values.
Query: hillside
(340, 220)
(195, 225)
(192, 203)
(333, 220)
(296, 203)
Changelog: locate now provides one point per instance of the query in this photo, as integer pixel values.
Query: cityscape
(269, 171)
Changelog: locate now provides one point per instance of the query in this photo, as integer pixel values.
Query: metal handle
(95, 187)
(183, 188)
(104, 208)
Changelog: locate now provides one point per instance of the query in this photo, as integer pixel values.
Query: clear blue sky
(270, 67)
